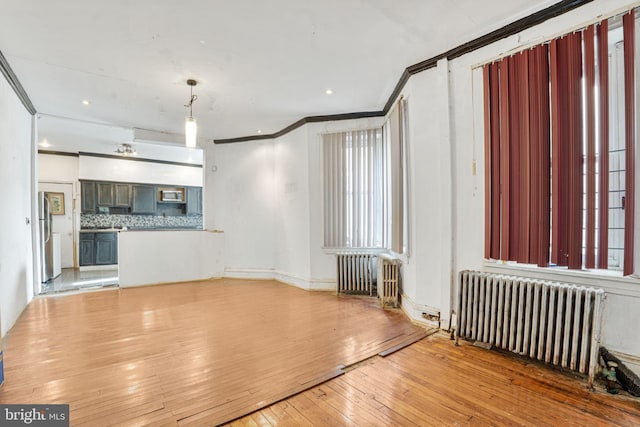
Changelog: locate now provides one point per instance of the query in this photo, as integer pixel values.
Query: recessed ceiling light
(45, 143)
(259, 131)
(85, 102)
(328, 91)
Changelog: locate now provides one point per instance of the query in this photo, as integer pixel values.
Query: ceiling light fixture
(259, 131)
(190, 127)
(126, 150)
(45, 144)
(328, 91)
(85, 102)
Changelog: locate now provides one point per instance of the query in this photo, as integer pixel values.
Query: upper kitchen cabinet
(144, 199)
(88, 194)
(194, 201)
(105, 193)
(122, 194)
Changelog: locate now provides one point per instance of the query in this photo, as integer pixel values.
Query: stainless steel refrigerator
(46, 238)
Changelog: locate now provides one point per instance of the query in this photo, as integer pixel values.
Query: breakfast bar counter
(161, 256)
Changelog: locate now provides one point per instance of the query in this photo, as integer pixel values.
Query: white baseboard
(113, 267)
(414, 311)
(309, 284)
(249, 273)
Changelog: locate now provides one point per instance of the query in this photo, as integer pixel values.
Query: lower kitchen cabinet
(87, 249)
(106, 248)
(98, 248)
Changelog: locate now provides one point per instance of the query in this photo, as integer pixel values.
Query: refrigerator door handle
(48, 219)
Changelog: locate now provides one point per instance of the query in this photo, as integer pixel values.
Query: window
(365, 187)
(560, 151)
(354, 189)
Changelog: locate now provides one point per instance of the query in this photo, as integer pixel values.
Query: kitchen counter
(111, 230)
(156, 256)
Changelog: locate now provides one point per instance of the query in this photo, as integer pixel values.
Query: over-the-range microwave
(172, 195)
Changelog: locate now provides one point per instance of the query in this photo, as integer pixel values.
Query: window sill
(333, 251)
(611, 281)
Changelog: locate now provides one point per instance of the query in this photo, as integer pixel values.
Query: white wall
(427, 270)
(16, 250)
(55, 168)
(241, 200)
(291, 188)
(267, 197)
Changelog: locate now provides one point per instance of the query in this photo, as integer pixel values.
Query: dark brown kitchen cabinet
(105, 193)
(88, 195)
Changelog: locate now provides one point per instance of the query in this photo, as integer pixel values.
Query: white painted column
(447, 230)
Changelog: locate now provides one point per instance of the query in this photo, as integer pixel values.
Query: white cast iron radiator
(557, 323)
(356, 273)
(388, 281)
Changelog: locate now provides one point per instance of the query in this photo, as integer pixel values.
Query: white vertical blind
(354, 164)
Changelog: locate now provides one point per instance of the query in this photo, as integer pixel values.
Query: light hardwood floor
(434, 383)
(210, 352)
(199, 353)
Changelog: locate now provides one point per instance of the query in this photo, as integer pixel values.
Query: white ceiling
(260, 64)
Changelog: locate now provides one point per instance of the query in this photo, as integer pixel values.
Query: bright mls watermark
(34, 415)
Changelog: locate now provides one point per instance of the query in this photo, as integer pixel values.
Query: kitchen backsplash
(139, 221)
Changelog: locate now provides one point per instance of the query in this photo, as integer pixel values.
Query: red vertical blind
(492, 160)
(547, 151)
(556, 240)
(488, 164)
(524, 172)
(628, 24)
(575, 152)
(517, 153)
(603, 173)
(540, 155)
(504, 159)
(590, 86)
(514, 159)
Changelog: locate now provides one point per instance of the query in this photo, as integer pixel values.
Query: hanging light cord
(190, 104)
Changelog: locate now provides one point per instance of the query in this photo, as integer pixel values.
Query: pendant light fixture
(190, 127)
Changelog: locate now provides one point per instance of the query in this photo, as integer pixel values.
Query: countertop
(112, 230)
